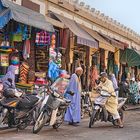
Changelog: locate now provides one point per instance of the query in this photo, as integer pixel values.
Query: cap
(103, 74)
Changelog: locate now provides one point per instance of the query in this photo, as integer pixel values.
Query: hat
(103, 74)
(78, 69)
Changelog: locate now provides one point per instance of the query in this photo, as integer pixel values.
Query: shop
(79, 48)
(130, 63)
(25, 39)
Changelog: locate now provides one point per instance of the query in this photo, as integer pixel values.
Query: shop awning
(83, 37)
(24, 15)
(102, 42)
(4, 17)
(131, 57)
(114, 42)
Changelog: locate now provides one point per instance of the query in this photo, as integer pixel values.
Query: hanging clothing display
(26, 49)
(42, 38)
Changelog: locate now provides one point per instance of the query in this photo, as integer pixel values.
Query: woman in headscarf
(134, 91)
(73, 113)
(115, 84)
(10, 74)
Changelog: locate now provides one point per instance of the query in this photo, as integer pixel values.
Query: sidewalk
(132, 107)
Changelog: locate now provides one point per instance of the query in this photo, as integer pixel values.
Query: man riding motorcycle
(112, 103)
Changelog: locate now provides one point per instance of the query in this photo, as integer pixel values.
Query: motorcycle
(86, 105)
(18, 107)
(52, 111)
(100, 113)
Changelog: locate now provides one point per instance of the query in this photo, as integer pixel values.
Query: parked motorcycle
(100, 113)
(86, 105)
(18, 107)
(53, 111)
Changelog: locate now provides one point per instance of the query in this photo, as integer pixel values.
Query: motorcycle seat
(9, 102)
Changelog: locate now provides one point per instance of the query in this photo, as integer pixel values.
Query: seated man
(112, 103)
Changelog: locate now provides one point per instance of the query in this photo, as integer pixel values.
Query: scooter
(52, 112)
(18, 107)
(99, 112)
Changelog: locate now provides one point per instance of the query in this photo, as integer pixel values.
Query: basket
(52, 102)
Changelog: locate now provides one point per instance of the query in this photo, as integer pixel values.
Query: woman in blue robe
(73, 113)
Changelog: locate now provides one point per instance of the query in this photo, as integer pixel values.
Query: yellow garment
(112, 103)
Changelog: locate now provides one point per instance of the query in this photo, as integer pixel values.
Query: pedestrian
(73, 113)
(93, 76)
(115, 83)
(134, 91)
(138, 82)
(9, 75)
(83, 74)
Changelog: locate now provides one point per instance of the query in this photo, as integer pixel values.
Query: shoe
(121, 126)
(75, 124)
(70, 123)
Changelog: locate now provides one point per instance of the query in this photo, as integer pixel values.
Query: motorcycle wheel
(25, 122)
(115, 122)
(61, 118)
(41, 121)
(92, 118)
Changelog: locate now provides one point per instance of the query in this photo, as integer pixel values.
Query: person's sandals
(121, 126)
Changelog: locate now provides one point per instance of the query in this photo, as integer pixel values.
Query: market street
(101, 131)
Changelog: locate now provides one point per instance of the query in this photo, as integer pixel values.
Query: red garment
(93, 76)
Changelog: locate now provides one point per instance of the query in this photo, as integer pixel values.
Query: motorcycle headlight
(56, 94)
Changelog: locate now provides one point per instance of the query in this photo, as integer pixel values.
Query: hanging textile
(42, 38)
(26, 49)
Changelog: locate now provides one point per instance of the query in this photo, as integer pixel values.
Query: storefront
(129, 59)
(25, 38)
(79, 47)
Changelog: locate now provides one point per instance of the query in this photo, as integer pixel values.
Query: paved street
(101, 131)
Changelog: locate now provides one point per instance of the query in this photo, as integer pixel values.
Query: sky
(126, 12)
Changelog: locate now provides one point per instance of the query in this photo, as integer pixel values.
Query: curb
(132, 108)
(6, 129)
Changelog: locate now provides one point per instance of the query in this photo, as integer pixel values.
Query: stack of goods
(40, 78)
(24, 69)
(15, 61)
(5, 50)
(31, 77)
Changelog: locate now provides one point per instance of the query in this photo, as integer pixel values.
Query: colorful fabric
(53, 71)
(134, 92)
(73, 113)
(26, 33)
(42, 38)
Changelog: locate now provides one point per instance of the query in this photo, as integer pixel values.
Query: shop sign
(4, 60)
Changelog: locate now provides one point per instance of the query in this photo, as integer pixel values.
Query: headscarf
(10, 74)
